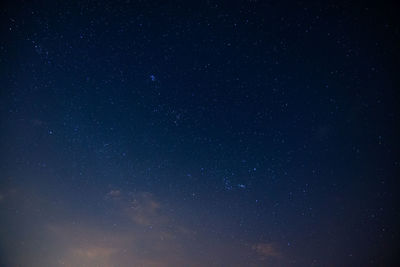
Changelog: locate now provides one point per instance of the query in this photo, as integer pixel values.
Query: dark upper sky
(144, 133)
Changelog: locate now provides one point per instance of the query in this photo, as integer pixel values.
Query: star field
(211, 133)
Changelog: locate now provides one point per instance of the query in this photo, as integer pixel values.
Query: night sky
(199, 133)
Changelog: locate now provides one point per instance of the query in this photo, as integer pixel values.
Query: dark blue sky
(151, 133)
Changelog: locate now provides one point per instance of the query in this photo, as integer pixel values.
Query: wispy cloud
(142, 208)
(266, 250)
(145, 210)
(147, 238)
(136, 229)
(113, 194)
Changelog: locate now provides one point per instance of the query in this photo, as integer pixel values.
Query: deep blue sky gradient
(146, 133)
